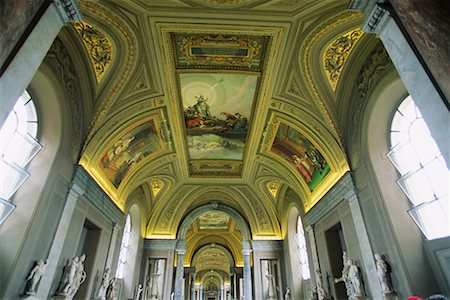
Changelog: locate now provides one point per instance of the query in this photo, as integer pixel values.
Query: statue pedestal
(28, 297)
(390, 296)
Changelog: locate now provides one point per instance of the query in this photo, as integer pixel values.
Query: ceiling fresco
(214, 220)
(302, 154)
(129, 150)
(217, 108)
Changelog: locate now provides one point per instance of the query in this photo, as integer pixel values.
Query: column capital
(376, 19)
(309, 228)
(181, 247)
(68, 10)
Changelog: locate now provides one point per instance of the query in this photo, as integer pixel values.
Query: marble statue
(101, 293)
(344, 275)
(75, 276)
(35, 276)
(271, 291)
(112, 293)
(314, 294)
(287, 294)
(69, 279)
(383, 274)
(355, 279)
(137, 295)
(321, 292)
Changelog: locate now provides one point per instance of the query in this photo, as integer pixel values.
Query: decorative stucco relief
(98, 46)
(337, 53)
(66, 72)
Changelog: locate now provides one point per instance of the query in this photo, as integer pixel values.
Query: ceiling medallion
(98, 46)
(337, 53)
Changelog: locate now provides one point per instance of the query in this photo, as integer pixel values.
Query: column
(22, 68)
(180, 250)
(246, 250)
(313, 247)
(58, 242)
(411, 71)
(364, 245)
(193, 286)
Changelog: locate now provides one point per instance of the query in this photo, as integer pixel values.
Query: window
(302, 254)
(424, 174)
(18, 146)
(125, 248)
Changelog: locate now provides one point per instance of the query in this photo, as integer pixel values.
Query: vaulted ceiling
(235, 101)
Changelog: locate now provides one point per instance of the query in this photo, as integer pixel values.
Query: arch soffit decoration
(233, 243)
(198, 252)
(214, 206)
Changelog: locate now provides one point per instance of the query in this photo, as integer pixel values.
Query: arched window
(17, 148)
(424, 174)
(125, 248)
(302, 254)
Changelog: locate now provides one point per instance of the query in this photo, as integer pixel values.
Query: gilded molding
(337, 53)
(98, 46)
(107, 102)
(335, 22)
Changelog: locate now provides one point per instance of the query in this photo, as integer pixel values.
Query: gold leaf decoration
(273, 187)
(98, 46)
(157, 186)
(337, 53)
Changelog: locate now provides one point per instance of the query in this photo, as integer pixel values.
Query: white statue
(270, 278)
(137, 294)
(355, 279)
(101, 293)
(81, 274)
(70, 278)
(111, 293)
(74, 277)
(287, 294)
(344, 275)
(35, 276)
(321, 292)
(314, 295)
(383, 275)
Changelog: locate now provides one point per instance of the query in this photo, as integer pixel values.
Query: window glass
(18, 145)
(302, 254)
(424, 173)
(124, 248)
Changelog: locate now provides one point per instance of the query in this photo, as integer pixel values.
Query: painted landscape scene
(216, 109)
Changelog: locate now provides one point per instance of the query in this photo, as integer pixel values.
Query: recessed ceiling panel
(217, 107)
(302, 154)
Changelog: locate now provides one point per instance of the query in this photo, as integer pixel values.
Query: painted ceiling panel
(216, 113)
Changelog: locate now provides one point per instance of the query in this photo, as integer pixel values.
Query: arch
(243, 226)
(210, 246)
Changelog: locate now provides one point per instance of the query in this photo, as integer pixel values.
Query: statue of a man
(355, 279)
(70, 278)
(101, 293)
(383, 275)
(35, 276)
(344, 275)
(81, 274)
(138, 292)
